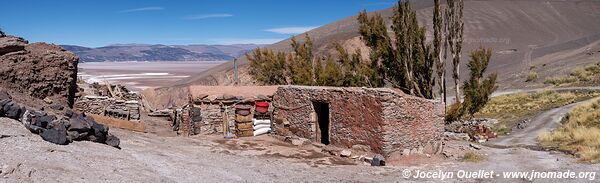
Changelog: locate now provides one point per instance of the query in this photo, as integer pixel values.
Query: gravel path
(543, 122)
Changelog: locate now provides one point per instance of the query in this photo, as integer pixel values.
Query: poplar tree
(409, 64)
(383, 59)
(455, 26)
(301, 62)
(438, 40)
(268, 67)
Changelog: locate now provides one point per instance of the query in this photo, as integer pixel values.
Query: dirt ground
(149, 157)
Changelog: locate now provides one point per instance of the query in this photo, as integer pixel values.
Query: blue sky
(97, 23)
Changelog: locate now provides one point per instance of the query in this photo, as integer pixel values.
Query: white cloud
(151, 8)
(199, 17)
(291, 30)
(229, 41)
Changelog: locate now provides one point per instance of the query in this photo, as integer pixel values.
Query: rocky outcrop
(11, 44)
(39, 70)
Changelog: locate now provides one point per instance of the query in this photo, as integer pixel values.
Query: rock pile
(478, 130)
(58, 129)
(38, 70)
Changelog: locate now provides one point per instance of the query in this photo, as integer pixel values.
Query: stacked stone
(117, 110)
(186, 125)
(134, 110)
(243, 121)
(92, 104)
(120, 109)
(212, 118)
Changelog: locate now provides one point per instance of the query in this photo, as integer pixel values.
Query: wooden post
(235, 72)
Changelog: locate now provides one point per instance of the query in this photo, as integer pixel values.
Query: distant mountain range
(147, 52)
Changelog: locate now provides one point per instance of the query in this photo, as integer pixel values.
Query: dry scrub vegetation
(511, 109)
(473, 157)
(587, 75)
(580, 133)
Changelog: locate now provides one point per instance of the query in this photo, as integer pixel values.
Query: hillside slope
(521, 32)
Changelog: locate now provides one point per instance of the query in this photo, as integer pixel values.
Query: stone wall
(39, 70)
(386, 120)
(412, 124)
(105, 106)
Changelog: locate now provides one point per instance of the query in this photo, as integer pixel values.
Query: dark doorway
(322, 111)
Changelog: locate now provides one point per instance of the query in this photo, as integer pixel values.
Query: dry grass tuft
(473, 157)
(532, 76)
(511, 109)
(579, 75)
(580, 133)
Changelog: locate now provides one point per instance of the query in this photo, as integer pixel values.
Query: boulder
(57, 135)
(77, 136)
(300, 141)
(378, 160)
(43, 120)
(477, 147)
(79, 123)
(12, 110)
(57, 107)
(4, 101)
(345, 153)
(112, 140)
(98, 133)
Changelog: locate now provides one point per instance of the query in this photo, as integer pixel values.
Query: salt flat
(141, 75)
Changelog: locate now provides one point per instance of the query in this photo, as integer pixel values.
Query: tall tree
(438, 32)
(268, 67)
(409, 64)
(352, 68)
(478, 92)
(330, 74)
(301, 64)
(383, 59)
(455, 25)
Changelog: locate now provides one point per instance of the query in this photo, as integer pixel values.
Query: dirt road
(527, 137)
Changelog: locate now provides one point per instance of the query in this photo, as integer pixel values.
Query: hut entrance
(322, 111)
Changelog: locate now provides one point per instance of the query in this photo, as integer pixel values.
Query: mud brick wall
(386, 120)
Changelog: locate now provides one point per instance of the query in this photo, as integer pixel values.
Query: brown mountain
(552, 35)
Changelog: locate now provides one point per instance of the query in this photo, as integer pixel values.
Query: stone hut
(386, 120)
